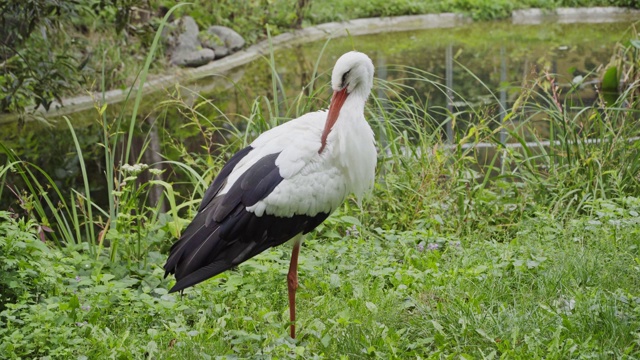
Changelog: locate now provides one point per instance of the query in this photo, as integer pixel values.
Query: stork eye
(344, 78)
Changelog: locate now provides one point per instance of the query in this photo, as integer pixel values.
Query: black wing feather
(224, 234)
(221, 179)
(246, 187)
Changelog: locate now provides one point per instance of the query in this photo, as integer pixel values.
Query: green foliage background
(51, 50)
(533, 254)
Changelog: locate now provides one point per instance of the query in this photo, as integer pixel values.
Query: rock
(188, 37)
(229, 38)
(221, 51)
(189, 47)
(213, 42)
(192, 58)
(572, 15)
(187, 50)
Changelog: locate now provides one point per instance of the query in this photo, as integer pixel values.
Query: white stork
(283, 185)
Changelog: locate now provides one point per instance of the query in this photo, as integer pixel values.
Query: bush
(28, 265)
(40, 58)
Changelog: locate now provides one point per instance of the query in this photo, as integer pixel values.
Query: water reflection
(499, 57)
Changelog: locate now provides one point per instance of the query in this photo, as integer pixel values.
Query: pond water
(499, 55)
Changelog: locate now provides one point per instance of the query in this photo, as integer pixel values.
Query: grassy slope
(551, 289)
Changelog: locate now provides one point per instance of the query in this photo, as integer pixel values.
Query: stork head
(352, 77)
(354, 73)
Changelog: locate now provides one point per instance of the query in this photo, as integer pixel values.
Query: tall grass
(424, 182)
(591, 153)
(71, 214)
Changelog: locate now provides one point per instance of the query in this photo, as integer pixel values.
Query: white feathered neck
(351, 140)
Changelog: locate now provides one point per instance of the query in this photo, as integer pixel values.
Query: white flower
(134, 169)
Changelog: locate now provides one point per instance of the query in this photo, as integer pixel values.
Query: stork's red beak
(337, 100)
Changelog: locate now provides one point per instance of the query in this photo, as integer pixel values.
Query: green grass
(452, 256)
(553, 290)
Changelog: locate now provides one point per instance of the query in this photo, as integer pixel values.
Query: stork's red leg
(292, 282)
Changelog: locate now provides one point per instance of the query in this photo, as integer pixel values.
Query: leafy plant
(37, 67)
(484, 9)
(27, 264)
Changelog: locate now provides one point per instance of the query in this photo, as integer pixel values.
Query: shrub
(27, 264)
